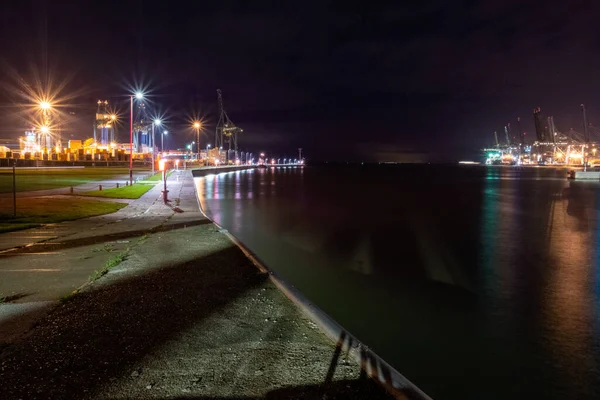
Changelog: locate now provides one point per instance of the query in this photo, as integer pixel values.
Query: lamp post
(162, 141)
(113, 118)
(45, 106)
(156, 122)
(197, 127)
(138, 96)
(207, 149)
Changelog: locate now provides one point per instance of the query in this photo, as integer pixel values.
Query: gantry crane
(226, 131)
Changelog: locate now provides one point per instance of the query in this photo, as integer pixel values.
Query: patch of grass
(2, 299)
(107, 247)
(110, 264)
(125, 192)
(34, 211)
(155, 178)
(68, 297)
(142, 239)
(52, 178)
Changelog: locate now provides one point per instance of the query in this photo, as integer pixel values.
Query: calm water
(474, 282)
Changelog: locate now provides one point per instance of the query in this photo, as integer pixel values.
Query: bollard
(100, 187)
(71, 190)
(127, 183)
(117, 185)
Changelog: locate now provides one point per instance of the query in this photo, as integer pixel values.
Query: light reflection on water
(473, 282)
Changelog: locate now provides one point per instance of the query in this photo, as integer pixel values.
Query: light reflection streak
(568, 306)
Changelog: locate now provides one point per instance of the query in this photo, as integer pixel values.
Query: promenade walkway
(184, 315)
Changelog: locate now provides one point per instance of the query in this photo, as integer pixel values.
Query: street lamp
(156, 122)
(139, 96)
(207, 149)
(162, 141)
(197, 127)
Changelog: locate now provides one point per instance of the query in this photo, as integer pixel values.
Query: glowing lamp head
(139, 95)
(197, 125)
(44, 129)
(165, 132)
(44, 105)
(113, 117)
(157, 122)
(161, 165)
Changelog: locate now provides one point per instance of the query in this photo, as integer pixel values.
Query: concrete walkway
(40, 265)
(185, 315)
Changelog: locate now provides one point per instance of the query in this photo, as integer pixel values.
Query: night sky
(373, 81)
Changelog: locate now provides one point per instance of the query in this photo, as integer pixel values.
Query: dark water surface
(474, 282)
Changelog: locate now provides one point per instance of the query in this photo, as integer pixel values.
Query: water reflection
(568, 303)
(484, 273)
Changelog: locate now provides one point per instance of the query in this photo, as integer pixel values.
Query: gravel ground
(185, 316)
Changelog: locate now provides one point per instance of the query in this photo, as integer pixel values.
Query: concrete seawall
(371, 363)
(198, 172)
(585, 175)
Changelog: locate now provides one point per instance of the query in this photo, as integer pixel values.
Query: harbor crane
(226, 131)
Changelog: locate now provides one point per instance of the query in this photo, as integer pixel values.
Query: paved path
(185, 315)
(40, 265)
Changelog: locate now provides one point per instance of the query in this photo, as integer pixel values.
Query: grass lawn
(156, 177)
(35, 211)
(51, 178)
(124, 192)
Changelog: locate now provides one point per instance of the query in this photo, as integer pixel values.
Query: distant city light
(113, 117)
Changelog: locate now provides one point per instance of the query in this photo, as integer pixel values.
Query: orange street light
(197, 126)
